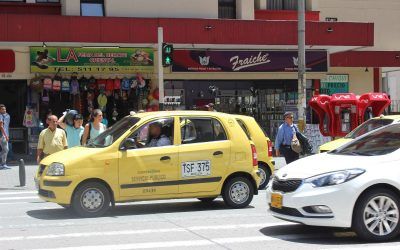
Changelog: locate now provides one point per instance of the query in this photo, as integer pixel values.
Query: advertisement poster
(91, 60)
(246, 61)
(334, 84)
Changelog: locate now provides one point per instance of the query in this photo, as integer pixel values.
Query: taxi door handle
(165, 158)
(218, 153)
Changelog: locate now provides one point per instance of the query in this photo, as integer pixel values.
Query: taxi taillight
(254, 155)
(269, 148)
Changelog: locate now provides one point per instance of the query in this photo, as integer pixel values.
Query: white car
(355, 186)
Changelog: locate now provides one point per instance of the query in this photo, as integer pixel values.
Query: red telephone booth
(320, 104)
(343, 108)
(372, 105)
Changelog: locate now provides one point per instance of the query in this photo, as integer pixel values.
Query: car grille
(287, 211)
(285, 186)
(41, 169)
(46, 193)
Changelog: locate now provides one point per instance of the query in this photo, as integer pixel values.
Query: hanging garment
(74, 86)
(65, 85)
(47, 83)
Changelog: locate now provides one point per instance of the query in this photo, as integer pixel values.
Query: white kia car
(355, 186)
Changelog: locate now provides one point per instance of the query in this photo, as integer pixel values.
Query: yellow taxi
(266, 163)
(364, 128)
(152, 156)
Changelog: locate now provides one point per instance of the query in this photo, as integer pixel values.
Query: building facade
(238, 54)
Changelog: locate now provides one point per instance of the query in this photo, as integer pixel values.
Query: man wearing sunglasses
(51, 139)
(284, 138)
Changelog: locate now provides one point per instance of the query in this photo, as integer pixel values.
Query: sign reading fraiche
(91, 60)
(246, 61)
(334, 84)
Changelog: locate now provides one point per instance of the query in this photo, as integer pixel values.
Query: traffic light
(167, 50)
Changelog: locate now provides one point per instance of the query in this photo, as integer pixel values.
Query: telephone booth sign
(320, 104)
(372, 105)
(343, 108)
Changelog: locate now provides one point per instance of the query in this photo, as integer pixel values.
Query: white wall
(162, 8)
(385, 14)
(245, 9)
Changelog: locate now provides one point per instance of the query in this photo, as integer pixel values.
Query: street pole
(160, 70)
(301, 102)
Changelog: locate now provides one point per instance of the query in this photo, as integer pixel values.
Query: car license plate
(196, 168)
(276, 201)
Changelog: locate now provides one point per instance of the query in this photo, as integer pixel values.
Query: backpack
(47, 83)
(65, 85)
(126, 84)
(74, 86)
(57, 84)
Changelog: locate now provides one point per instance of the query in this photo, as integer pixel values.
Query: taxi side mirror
(129, 143)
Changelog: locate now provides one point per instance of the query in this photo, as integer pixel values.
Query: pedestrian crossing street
(26, 222)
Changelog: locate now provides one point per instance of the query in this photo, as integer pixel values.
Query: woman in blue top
(93, 128)
(74, 133)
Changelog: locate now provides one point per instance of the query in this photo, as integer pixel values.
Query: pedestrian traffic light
(167, 50)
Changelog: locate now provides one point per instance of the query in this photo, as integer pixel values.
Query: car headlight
(55, 169)
(334, 178)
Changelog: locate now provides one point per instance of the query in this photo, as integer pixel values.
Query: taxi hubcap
(381, 215)
(239, 192)
(92, 199)
(262, 175)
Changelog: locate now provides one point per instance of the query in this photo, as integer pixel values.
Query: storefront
(258, 83)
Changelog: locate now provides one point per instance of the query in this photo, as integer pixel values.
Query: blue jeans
(4, 150)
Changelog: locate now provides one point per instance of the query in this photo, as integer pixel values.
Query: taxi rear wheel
(92, 199)
(238, 192)
(265, 174)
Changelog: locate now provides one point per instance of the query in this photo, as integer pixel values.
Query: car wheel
(376, 215)
(92, 199)
(265, 174)
(238, 192)
(207, 200)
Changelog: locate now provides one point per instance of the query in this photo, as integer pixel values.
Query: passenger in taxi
(157, 138)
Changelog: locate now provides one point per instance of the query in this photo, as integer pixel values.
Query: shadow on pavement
(299, 233)
(135, 209)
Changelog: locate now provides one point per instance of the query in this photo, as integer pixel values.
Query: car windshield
(368, 126)
(381, 142)
(112, 134)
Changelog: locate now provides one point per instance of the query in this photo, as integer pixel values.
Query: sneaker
(6, 167)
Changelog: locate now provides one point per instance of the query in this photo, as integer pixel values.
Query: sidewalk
(9, 178)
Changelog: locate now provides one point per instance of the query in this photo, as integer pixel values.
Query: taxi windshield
(112, 134)
(381, 142)
(368, 126)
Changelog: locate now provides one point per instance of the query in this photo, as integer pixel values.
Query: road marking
(19, 198)
(191, 243)
(144, 231)
(14, 193)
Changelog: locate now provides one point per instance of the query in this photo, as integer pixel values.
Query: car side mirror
(129, 143)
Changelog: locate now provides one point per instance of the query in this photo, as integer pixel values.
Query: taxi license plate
(276, 201)
(196, 168)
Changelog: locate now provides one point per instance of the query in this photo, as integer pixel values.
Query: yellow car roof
(181, 113)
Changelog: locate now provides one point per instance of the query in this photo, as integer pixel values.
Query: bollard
(22, 175)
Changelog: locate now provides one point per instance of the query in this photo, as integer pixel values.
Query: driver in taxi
(157, 139)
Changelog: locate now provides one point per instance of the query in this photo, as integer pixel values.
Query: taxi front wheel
(238, 192)
(92, 199)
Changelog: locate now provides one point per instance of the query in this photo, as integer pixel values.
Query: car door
(204, 154)
(149, 170)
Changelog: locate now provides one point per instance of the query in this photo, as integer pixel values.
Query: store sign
(7, 61)
(246, 61)
(91, 60)
(334, 84)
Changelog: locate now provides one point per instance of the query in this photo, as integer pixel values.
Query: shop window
(92, 8)
(227, 9)
(201, 130)
(282, 4)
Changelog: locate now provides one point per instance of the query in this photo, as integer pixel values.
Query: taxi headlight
(55, 169)
(334, 178)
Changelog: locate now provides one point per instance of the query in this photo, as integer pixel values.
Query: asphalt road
(26, 222)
